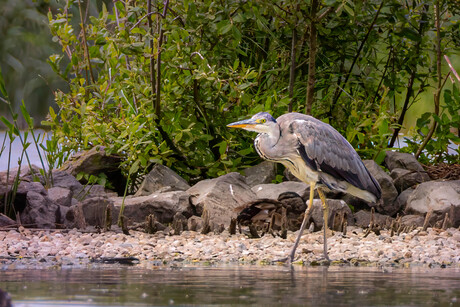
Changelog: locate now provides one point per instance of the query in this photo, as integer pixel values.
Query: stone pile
(165, 200)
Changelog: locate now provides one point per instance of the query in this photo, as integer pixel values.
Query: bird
(315, 153)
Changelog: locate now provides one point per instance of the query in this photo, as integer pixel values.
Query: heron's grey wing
(324, 149)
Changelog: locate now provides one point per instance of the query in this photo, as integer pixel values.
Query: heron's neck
(265, 144)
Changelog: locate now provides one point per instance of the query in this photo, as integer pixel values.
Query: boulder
(94, 211)
(363, 218)
(264, 172)
(6, 221)
(337, 207)
(403, 178)
(273, 190)
(161, 179)
(389, 192)
(74, 217)
(412, 220)
(65, 180)
(94, 162)
(24, 171)
(401, 201)
(163, 205)
(40, 212)
(394, 159)
(195, 223)
(220, 197)
(60, 196)
(441, 197)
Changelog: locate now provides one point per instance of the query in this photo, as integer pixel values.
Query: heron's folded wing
(332, 154)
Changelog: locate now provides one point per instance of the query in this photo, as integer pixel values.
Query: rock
(161, 179)
(363, 218)
(94, 211)
(403, 178)
(195, 223)
(25, 171)
(60, 196)
(24, 187)
(65, 180)
(412, 220)
(40, 212)
(273, 190)
(262, 173)
(220, 197)
(406, 161)
(337, 208)
(401, 201)
(74, 218)
(292, 202)
(94, 162)
(6, 221)
(439, 196)
(389, 192)
(163, 205)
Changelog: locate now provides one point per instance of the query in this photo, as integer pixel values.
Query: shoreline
(53, 249)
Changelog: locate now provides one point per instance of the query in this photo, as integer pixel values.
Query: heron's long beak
(247, 123)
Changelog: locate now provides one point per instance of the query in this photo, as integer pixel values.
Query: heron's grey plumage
(315, 153)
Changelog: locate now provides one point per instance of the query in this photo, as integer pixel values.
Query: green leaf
(26, 115)
(223, 27)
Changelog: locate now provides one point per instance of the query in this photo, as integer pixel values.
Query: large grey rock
(403, 178)
(163, 205)
(389, 192)
(407, 161)
(162, 179)
(439, 196)
(94, 211)
(6, 221)
(40, 212)
(65, 180)
(401, 201)
(24, 171)
(74, 217)
(337, 207)
(94, 162)
(60, 196)
(220, 197)
(273, 190)
(412, 220)
(363, 219)
(262, 173)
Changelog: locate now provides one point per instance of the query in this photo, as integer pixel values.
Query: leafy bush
(159, 84)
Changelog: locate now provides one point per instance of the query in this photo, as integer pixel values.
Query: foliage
(439, 149)
(159, 85)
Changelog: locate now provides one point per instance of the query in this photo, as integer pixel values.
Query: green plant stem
(437, 94)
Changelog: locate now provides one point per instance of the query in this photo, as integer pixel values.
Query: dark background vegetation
(157, 81)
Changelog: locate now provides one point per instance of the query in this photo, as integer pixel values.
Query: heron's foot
(325, 261)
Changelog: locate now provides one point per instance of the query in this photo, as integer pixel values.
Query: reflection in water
(323, 286)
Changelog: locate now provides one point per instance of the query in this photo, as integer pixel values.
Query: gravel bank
(431, 248)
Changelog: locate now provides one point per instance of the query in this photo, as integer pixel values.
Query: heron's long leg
(306, 217)
(325, 218)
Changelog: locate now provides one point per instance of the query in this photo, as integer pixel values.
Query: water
(16, 150)
(242, 285)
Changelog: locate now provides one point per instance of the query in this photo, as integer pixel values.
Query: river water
(242, 285)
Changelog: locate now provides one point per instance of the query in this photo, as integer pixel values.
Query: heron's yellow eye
(261, 121)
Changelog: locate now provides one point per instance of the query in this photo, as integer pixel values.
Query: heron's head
(262, 122)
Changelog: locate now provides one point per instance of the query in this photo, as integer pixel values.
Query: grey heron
(315, 153)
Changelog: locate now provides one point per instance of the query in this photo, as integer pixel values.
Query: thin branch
(358, 52)
(311, 59)
(85, 43)
(437, 94)
(293, 65)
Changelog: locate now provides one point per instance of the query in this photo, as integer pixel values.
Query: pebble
(417, 248)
